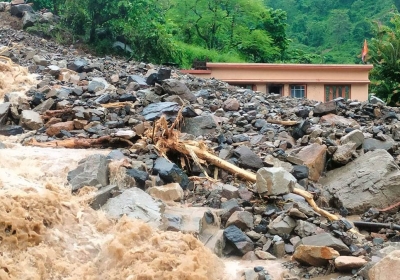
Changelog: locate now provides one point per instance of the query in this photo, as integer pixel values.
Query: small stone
(169, 192)
(314, 255)
(264, 255)
(348, 263)
(241, 219)
(231, 104)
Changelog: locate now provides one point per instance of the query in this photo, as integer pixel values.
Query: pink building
(320, 82)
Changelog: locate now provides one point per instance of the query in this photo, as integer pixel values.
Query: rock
(9, 130)
(304, 228)
(29, 19)
(355, 136)
(18, 10)
(326, 240)
(31, 120)
(282, 225)
(314, 157)
(3, 6)
(140, 176)
(216, 243)
(139, 80)
(241, 219)
(279, 249)
(77, 65)
(375, 100)
(231, 104)
(170, 172)
(344, 153)
(372, 180)
(238, 239)
(386, 269)
(332, 119)
(314, 255)
(372, 144)
(4, 110)
(348, 263)
(325, 108)
(175, 87)
(156, 110)
(300, 172)
(247, 158)
(264, 255)
(121, 46)
(102, 195)
(91, 171)
(55, 129)
(274, 181)
(135, 204)
(199, 221)
(97, 85)
(169, 192)
(229, 191)
(201, 125)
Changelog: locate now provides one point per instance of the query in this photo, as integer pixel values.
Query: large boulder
(200, 125)
(170, 172)
(314, 255)
(29, 19)
(238, 239)
(136, 204)
(31, 120)
(18, 10)
(175, 87)
(387, 268)
(372, 180)
(156, 110)
(274, 181)
(247, 158)
(91, 171)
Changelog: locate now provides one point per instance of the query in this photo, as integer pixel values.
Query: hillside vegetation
(333, 31)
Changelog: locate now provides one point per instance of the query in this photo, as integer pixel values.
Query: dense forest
(333, 31)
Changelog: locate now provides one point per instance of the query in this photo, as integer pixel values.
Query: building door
(335, 91)
(275, 88)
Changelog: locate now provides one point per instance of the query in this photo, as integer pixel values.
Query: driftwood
(117, 104)
(167, 138)
(80, 143)
(287, 123)
(391, 207)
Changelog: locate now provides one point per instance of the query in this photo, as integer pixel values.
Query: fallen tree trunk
(80, 143)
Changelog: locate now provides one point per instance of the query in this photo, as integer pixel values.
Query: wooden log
(79, 143)
(117, 104)
(286, 123)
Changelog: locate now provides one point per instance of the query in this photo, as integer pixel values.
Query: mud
(48, 233)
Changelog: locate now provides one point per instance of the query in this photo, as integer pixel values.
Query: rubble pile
(344, 152)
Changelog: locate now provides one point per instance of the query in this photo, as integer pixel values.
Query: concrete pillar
(261, 87)
(286, 90)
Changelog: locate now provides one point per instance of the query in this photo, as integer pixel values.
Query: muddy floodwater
(55, 235)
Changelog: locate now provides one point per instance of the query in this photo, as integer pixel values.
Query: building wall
(314, 76)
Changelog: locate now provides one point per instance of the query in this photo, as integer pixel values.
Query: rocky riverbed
(344, 152)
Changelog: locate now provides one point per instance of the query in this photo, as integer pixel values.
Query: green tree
(385, 55)
(340, 25)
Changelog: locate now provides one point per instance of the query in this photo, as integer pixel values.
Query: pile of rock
(345, 152)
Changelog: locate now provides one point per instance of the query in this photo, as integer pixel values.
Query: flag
(364, 51)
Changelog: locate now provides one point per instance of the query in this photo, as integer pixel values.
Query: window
(335, 91)
(298, 91)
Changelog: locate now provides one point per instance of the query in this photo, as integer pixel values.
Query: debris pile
(249, 174)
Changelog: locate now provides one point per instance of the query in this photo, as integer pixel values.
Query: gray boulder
(372, 180)
(174, 87)
(29, 19)
(201, 125)
(40, 60)
(136, 204)
(247, 158)
(77, 65)
(31, 120)
(18, 10)
(91, 171)
(282, 225)
(170, 172)
(156, 110)
(274, 181)
(327, 240)
(238, 239)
